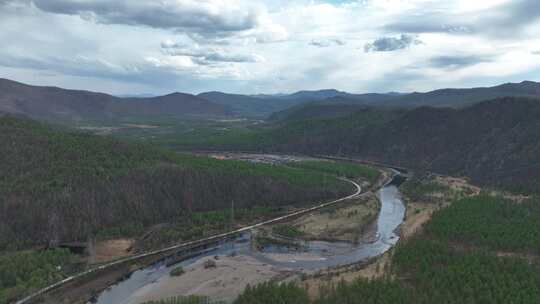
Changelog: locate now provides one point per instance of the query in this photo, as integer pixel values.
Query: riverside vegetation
(456, 259)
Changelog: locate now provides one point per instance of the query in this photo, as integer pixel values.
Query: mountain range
(57, 104)
(61, 105)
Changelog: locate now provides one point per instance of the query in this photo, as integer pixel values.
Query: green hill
(59, 186)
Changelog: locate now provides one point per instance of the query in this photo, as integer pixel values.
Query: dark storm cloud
(456, 62)
(504, 21)
(207, 18)
(389, 44)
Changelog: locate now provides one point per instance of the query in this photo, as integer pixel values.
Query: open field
(109, 250)
(344, 223)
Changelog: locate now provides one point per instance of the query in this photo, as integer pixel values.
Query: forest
(59, 186)
(271, 292)
(491, 223)
(29, 270)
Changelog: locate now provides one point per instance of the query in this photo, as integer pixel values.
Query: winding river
(327, 254)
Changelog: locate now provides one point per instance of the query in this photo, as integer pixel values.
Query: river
(315, 255)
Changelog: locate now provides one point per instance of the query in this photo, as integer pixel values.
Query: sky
(263, 46)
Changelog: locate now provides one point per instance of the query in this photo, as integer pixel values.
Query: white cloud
(206, 55)
(327, 42)
(205, 17)
(389, 44)
(267, 46)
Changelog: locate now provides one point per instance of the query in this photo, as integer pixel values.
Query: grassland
(340, 168)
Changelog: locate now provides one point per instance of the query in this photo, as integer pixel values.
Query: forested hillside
(330, 108)
(59, 186)
(495, 142)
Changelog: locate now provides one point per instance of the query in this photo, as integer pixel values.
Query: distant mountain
(281, 105)
(462, 97)
(53, 103)
(316, 95)
(248, 105)
(142, 95)
(264, 105)
(172, 104)
(328, 108)
(56, 104)
(453, 98)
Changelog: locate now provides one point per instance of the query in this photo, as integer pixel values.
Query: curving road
(56, 285)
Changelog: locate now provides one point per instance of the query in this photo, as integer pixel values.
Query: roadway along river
(328, 254)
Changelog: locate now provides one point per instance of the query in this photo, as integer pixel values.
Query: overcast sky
(270, 46)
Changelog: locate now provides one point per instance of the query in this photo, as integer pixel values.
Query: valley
(127, 200)
(154, 280)
(270, 152)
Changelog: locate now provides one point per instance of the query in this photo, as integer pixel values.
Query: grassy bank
(340, 168)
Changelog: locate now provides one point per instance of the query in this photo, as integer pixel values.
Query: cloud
(389, 44)
(327, 42)
(76, 66)
(512, 16)
(207, 21)
(456, 62)
(216, 44)
(150, 71)
(206, 55)
(507, 20)
(430, 24)
(204, 16)
(200, 18)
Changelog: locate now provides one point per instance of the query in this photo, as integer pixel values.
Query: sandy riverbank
(223, 282)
